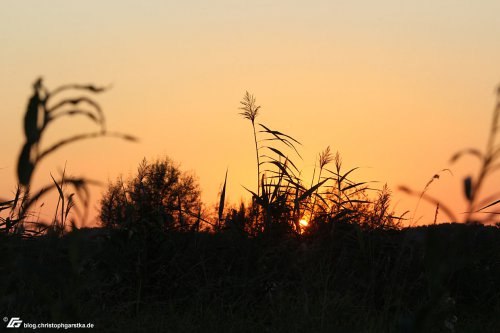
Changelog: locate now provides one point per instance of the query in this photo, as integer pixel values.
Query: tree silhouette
(160, 196)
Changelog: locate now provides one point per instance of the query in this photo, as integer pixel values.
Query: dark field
(442, 278)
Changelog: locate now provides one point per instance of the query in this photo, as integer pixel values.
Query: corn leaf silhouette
(40, 112)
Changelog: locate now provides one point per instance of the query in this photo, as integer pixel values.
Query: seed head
(250, 110)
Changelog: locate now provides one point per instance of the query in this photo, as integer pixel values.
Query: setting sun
(303, 223)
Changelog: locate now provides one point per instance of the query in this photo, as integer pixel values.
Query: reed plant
(280, 191)
(42, 110)
(489, 160)
(250, 112)
(282, 200)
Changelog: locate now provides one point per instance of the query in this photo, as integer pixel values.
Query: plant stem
(486, 164)
(258, 159)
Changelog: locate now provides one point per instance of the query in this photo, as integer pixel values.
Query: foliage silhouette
(159, 198)
(490, 163)
(282, 199)
(40, 113)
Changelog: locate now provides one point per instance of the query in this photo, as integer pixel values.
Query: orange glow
(303, 223)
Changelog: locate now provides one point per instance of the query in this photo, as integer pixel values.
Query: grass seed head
(250, 109)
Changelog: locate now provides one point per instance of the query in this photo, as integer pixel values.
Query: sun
(303, 223)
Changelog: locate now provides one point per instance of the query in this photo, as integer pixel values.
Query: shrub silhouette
(160, 197)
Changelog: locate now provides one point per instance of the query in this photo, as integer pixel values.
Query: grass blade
(222, 198)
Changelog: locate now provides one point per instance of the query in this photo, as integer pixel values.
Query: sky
(395, 86)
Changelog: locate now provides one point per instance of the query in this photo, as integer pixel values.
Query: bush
(160, 196)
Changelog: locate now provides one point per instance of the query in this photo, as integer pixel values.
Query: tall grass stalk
(325, 158)
(250, 112)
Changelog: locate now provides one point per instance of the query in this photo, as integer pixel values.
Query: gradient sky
(396, 86)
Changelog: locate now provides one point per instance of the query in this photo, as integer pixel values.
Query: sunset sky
(396, 87)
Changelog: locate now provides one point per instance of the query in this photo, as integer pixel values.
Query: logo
(14, 322)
